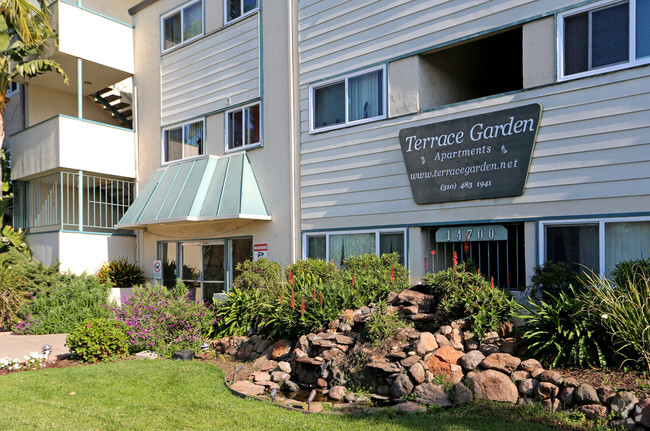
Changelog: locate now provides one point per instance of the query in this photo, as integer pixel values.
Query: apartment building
(216, 139)
(73, 146)
(509, 133)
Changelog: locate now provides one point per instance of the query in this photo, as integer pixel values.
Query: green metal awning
(211, 188)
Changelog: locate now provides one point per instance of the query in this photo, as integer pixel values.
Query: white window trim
(601, 222)
(240, 17)
(345, 79)
(377, 232)
(227, 127)
(11, 92)
(632, 60)
(175, 11)
(182, 127)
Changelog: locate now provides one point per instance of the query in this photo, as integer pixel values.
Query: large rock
(606, 394)
(552, 377)
(503, 362)
(425, 343)
(281, 349)
(409, 407)
(593, 411)
(623, 403)
(493, 385)
(418, 373)
(585, 394)
(461, 395)
(449, 355)
(430, 394)
(401, 387)
(527, 387)
(441, 339)
(411, 297)
(529, 365)
(247, 388)
(642, 412)
(452, 373)
(566, 395)
(471, 360)
(337, 393)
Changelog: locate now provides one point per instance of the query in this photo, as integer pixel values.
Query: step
(111, 97)
(120, 105)
(104, 90)
(127, 113)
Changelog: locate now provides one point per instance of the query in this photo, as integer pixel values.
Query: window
(243, 128)
(595, 245)
(182, 25)
(357, 98)
(603, 37)
(14, 88)
(183, 141)
(337, 246)
(235, 9)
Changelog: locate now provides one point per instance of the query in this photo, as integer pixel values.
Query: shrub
(69, 302)
(98, 340)
(464, 294)
(554, 277)
(120, 273)
(12, 297)
(384, 324)
(561, 332)
(624, 311)
(315, 292)
(261, 274)
(164, 320)
(631, 270)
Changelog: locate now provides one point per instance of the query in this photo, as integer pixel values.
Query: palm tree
(25, 31)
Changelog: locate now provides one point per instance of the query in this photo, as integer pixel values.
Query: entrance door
(214, 274)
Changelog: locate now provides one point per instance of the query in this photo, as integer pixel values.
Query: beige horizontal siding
(592, 156)
(210, 74)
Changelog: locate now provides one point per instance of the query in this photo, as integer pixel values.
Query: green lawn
(173, 395)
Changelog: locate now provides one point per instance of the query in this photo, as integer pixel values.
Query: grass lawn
(174, 395)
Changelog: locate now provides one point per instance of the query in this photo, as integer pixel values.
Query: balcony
(66, 143)
(105, 45)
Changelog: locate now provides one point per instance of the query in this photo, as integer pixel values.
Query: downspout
(292, 135)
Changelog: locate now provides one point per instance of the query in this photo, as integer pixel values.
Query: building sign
(260, 250)
(492, 232)
(478, 157)
(157, 269)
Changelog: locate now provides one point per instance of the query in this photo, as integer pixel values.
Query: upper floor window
(182, 142)
(243, 128)
(609, 35)
(235, 9)
(13, 88)
(182, 25)
(356, 98)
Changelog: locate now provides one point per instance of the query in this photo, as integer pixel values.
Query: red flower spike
(466, 244)
(302, 307)
(293, 301)
(321, 299)
(492, 282)
(425, 264)
(281, 297)
(478, 271)
(455, 258)
(314, 295)
(352, 280)
(392, 273)
(433, 252)
(334, 261)
(291, 277)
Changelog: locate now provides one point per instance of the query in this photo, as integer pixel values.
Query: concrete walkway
(18, 346)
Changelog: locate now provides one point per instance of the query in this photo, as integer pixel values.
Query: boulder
(529, 365)
(469, 361)
(508, 345)
(452, 373)
(606, 394)
(247, 388)
(445, 330)
(490, 338)
(488, 349)
(461, 395)
(623, 403)
(385, 367)
(520, 375)
(449, 355)
(411, 297)
(261, 376)
(430, 394)
(337, 392)
(425, 343)
(418, 373)
(593, 411)
(506, 329)
(566, 395)
(280, 376)
(493, 385)
(642, 412)
(552, 377)
(585, 394)
(281, 349)
(527, 387)
(401, 387)
(284, 366)
(441, 339)
(551, 404)
(409, 361)
(503, 362)
(409, 407)
(571, 382)
(456, 341)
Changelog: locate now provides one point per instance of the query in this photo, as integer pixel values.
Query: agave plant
(121, 273)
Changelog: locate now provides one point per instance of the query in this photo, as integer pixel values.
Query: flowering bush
(32, 361)
(9, 364)
(164, 320)
(98, 340)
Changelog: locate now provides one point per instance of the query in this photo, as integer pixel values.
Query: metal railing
(71, 201)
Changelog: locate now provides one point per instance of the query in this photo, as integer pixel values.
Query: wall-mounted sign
(478, 157)
(157, 269)
(260, 250)
(491, 232)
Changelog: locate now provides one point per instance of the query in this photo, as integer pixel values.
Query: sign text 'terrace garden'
(478, 157)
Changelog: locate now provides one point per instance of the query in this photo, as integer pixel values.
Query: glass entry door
(213, 269)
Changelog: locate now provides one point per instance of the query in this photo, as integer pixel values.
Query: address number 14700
(472, 233)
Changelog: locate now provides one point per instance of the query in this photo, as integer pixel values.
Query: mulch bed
(631, 381)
